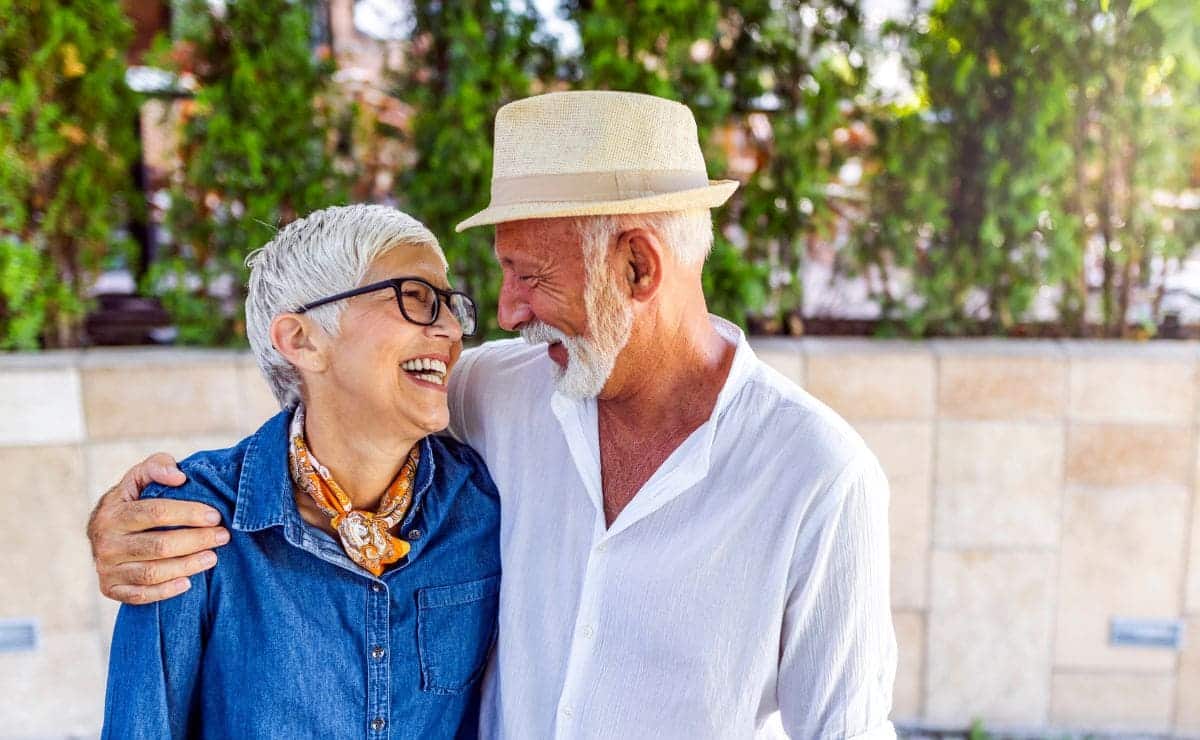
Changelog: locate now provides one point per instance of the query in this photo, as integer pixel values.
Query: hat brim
(717, 192)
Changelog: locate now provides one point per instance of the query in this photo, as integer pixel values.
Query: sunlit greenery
(1020, 175)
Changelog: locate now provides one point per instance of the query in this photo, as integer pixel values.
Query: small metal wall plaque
(1156, 633)
(19, 635)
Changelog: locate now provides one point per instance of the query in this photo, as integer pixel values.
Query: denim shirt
(287, 637)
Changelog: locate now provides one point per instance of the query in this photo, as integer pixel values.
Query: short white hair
(686, 234)
(327, 252)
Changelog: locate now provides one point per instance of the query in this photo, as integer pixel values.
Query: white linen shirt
(742, 593)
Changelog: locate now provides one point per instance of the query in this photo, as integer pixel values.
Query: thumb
(158, 468)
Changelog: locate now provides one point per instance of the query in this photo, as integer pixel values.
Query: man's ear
(641, 254)
(301, 341)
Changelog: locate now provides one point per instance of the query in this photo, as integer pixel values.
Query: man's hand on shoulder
(137, 566)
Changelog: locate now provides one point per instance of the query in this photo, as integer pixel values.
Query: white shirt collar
(686, 466)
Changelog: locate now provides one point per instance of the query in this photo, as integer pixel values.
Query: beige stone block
(47, 570)
(1192, 588)
(40, 406)
(1122, 556)
(151, 401)
(998, 484)
(108, 461)
(873, 383)
(1002, 387)
(988, 644)
(107, 621)
(784, 355)
(1113, 701)
(56, 691)
(905, 450)
(1130, 389)
(910, 645)
(1187, 695)
(1129, 454)
(256, 403)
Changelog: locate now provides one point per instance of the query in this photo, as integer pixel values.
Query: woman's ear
(301, 341)
(642, 255)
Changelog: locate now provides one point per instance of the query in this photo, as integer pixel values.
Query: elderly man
(692, 546)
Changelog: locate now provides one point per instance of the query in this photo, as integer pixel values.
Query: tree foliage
(255, 154)
(467, 60)
(1028, 163)
(767, 82)
(66, 146)
(793, 70)
(1034, 165)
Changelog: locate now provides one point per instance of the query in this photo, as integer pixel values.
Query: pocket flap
(458, 593)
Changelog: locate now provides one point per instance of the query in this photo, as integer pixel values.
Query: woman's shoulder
(212, 478)
(458, 462)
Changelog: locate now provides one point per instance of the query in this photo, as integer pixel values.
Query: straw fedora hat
(596, 153)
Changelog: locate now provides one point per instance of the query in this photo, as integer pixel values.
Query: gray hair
(327, 252)
(686, 234)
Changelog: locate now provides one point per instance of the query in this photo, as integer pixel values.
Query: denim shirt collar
(265, 497)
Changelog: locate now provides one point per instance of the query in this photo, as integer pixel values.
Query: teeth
(427, 369)
(425, 364)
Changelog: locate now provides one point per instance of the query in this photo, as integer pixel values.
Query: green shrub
(67, 142)
(255, 151)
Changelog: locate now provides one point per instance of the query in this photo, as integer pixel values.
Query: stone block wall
(1039, 489)
(70, 424)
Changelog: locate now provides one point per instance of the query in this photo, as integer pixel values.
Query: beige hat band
(593, 186)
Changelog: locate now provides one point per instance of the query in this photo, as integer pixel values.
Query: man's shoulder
(502, 374)
(459, 460)
(791, 414)
(506, 356)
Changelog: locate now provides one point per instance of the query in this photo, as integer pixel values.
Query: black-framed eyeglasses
(418, 300)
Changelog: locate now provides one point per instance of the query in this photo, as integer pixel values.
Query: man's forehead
(532, 238)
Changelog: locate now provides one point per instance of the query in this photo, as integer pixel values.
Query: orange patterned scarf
(365, 536)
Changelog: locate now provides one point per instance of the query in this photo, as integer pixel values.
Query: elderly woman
(358, 594)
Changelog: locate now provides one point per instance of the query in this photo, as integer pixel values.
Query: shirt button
(376, 587)
(568, 712)
(589, 631)
(378, 724)
(602, 547)
(377, 652)
(414, 534)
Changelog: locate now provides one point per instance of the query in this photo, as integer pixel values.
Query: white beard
(590, 360)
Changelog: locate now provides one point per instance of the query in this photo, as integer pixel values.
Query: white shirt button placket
(580, 661)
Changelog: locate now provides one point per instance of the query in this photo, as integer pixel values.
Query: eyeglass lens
(420, 303)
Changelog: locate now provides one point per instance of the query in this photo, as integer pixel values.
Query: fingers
(138, 516)
(156, 573)
(158, 468)
(146, 594)
(146, 567)
(173, 544)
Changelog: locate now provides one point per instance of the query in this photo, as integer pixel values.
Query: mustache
(537, 332)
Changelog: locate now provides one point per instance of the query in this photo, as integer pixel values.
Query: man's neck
(363, 458)
(671, 377)
(668, 386)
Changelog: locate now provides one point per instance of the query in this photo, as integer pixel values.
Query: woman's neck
(364, 458)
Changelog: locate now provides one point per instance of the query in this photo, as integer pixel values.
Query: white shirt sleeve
(838, 653)
(463, 425)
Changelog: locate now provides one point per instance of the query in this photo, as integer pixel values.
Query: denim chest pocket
(456, 626)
